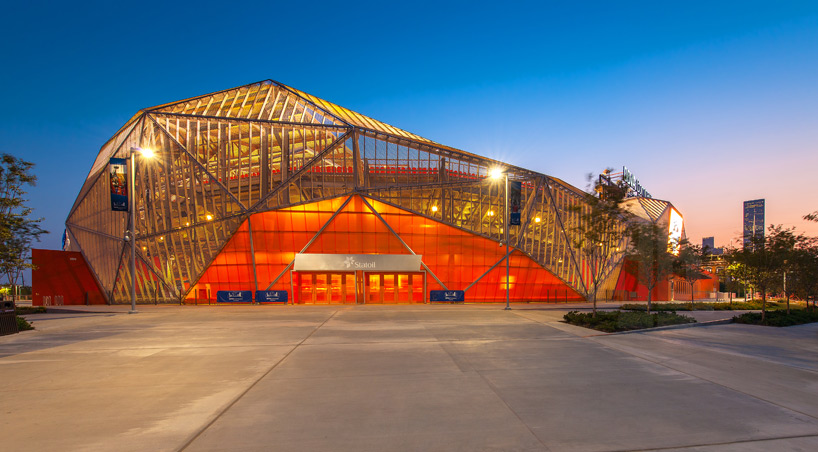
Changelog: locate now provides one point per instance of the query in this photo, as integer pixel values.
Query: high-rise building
(709, 243)
(753, 220)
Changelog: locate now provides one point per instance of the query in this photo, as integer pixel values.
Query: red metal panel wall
(63, 274)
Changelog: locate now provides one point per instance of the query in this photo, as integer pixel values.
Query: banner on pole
(118, 172)
(515, 189)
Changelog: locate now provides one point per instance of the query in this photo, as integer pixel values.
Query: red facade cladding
(456, 257)
(62, 277)
(628, 288)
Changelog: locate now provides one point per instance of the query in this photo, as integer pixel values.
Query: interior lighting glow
(675, 227)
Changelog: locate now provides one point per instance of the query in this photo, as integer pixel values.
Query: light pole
(495, 174)
(146, 152)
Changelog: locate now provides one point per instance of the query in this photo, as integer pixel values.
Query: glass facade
(245, 179)
(753, 220)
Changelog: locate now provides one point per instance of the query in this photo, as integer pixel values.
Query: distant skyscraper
(753, 219)
(709, 243)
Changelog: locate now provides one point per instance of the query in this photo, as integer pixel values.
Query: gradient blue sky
(708, 103)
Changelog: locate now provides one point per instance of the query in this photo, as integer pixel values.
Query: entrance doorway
(358, 287)
(380, 288)
(324, 288)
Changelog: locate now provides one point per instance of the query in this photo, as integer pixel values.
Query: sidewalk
(398, 378)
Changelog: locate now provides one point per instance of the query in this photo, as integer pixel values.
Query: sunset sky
(709, 103)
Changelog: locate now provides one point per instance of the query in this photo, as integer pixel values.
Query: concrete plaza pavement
(406, 378)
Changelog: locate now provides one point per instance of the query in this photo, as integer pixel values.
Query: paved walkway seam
(196, 435)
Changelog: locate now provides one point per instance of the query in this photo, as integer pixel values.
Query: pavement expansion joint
(667, 365)
(220, 413)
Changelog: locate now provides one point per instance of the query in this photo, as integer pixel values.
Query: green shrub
(26, 310)
(634, 320)
(779, 317)
(615, 321)
(23, 325)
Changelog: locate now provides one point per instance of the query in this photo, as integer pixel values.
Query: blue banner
(118, 173)
(514, 220)
(271, 296)
(447, 295)
(234, 296)
(515, 189)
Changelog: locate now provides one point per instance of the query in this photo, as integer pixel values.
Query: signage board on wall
(234, 296)
(450, 296)
(636, 187)
(353, 262)
(271, 296)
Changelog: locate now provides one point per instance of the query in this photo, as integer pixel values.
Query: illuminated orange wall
(455, 256)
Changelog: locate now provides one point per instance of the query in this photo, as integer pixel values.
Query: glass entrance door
(391, 288)
(324, 288)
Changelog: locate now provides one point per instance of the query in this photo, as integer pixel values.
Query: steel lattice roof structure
(226, 157)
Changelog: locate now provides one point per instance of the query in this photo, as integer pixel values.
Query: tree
(649, 256)
(17, 229)
(737, 275)
(764, 259)
(802, 275)
(687, 265)
(600, 232)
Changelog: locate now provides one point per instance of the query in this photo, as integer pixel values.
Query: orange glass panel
(374, 288)
(336, 289)
(321, 288)
(417, 288)
(389, 289)
(350, 288)
(457, 257)
(355, 230)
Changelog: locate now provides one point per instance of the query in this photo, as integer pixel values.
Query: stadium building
(265, 187)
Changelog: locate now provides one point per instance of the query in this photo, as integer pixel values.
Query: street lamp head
(146, 152)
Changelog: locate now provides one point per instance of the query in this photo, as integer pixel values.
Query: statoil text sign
(633, 183)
